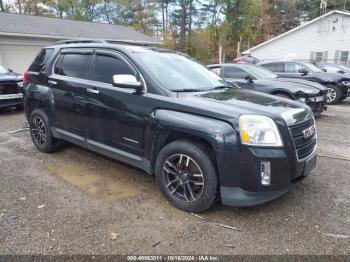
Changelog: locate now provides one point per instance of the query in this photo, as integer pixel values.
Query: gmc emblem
(309, 132)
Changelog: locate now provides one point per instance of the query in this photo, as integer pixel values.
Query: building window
(344, 57)
(318, 57)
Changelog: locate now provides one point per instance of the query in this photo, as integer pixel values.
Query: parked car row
(11, 91)
(203, 138)
(259, 79)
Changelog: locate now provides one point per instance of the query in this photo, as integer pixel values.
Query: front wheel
(333, 95)
(186, 175)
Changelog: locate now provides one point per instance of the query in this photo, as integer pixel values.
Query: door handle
(93, 91)
(52, 82)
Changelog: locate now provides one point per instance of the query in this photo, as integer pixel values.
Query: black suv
(164, 113)
(338, 85)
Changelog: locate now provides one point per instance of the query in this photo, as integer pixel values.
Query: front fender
(220, 135)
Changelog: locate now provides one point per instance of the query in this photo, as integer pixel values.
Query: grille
(303, 146)
(7, 88)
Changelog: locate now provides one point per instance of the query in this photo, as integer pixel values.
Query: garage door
(18, 57)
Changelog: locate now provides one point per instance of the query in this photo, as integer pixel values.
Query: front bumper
(247, 190)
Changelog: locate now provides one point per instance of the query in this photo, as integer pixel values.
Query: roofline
(78, 38)
(296, 28)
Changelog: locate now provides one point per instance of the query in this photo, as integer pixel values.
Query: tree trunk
(183, 25)
(2, 6)
(163, 20)
(19, 6)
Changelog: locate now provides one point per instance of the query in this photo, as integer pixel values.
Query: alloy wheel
(331, 95)
(183, 178)
(39, 130)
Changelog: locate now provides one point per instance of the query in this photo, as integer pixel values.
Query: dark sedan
(338, 85)
(334, 68)
(260, 79)
(11, 92)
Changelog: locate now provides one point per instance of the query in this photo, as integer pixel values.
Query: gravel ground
(77, 202)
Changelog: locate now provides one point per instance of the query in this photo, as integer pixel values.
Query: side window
(73, 65)
(234, 72)
(41, 59)
(215, 70)
(292, 67)
(107, 66)
(275, 67)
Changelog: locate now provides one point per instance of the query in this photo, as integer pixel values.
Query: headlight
(346, 83)
(309, 91)
(257, 130)
(20, 84)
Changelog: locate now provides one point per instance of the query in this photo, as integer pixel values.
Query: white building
(324, 39)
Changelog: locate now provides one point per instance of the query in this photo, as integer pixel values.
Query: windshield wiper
(189, 90)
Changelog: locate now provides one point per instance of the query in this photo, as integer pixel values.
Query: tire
(333, 95)
(40, 131)
(196, 188)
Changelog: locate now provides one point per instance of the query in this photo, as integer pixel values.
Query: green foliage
(197, 27)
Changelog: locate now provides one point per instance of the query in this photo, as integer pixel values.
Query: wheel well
(175, 135)
(31, 105)
(282, 93)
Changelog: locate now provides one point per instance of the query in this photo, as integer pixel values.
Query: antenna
(323, 22)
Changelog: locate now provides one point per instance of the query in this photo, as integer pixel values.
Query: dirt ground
(77, 202)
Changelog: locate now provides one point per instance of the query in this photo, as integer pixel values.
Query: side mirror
(324, 70)
(303, 71)
(249, 79)
(341, 72)
(127, 81)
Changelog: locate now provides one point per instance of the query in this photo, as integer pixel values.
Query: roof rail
(80, 41)
(131, 42)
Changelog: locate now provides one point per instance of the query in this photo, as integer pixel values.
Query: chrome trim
(11, 96)
(130, 140)
(124, 58)
(66, 133)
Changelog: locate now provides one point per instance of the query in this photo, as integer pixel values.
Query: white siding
(300, 43)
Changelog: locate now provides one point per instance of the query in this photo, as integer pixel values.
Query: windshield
(259, 72)
(178, 73)
(312, 67)
(3, 70)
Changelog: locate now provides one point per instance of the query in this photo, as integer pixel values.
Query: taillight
(25, 77)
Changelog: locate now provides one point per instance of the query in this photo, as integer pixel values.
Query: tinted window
(107, 66)
(275, 67)
(292, 67)
(73, 65)
(234, 72)
(215, 70)
(40, 61)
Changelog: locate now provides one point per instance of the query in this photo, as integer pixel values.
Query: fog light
(265, 172)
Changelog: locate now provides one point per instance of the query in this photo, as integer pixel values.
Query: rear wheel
(333, 95)
(40, 132)
(186, 175)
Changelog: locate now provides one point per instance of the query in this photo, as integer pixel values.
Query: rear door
(70, 85)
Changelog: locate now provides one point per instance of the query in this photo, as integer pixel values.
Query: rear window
(41, 59)
(73, 65)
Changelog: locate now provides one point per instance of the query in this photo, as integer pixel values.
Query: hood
(330, 77)
(10, 76)
(233, 102)
(302, 82)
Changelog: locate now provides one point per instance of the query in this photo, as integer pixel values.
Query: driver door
(116, 117)
(237, 76)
